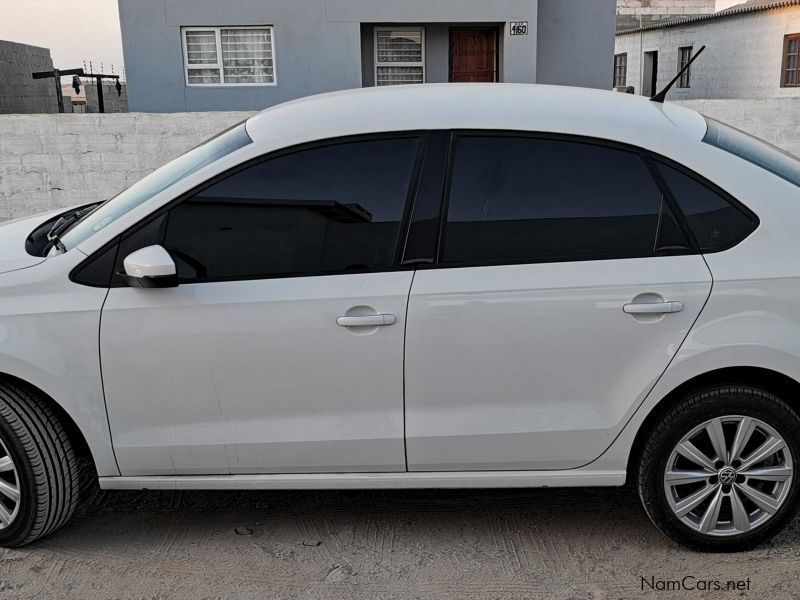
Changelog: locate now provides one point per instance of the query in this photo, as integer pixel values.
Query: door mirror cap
(150, 267)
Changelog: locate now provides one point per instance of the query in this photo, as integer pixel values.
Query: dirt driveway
(553, 544)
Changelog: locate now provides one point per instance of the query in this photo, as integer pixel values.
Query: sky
(74, 30)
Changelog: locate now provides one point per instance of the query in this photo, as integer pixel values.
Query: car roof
(517, 107)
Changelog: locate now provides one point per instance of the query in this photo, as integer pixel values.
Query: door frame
(495, 29)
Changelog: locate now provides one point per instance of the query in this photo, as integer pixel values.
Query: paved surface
(497, 544)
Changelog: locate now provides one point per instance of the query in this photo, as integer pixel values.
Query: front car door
(564, 286)
(281, 351)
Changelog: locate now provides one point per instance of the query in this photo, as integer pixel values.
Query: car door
(281, 350)
(564, 286)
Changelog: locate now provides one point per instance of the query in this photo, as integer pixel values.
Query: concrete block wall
(636, 13)
(113, 102)
(54, 161)
(19, 92)
(742, 59)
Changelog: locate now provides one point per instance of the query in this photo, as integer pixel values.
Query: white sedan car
(422, 287)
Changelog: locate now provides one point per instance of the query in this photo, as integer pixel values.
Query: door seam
(405, 335)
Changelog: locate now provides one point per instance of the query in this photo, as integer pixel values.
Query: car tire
(739, 508)
(38, 461)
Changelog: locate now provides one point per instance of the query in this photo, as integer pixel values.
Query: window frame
(623, 64)
(116, 280)
(648, 158)
(430, 186)
(379, 28)
(220, 64)
(785, 61)
(685, 80)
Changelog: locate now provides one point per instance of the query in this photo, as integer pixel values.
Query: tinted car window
(713, 220)
(330, 209)
(529, 199)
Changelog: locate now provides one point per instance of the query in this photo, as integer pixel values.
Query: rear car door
(564, 285)
(281, 351)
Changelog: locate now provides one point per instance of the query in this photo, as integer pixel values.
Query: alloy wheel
(728, 476)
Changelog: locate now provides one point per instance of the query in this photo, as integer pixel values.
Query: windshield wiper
(65, 222)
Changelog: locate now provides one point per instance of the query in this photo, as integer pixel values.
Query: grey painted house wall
(327, 45)
(21, 93)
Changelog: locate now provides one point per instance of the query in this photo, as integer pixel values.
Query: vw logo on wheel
(727, 475)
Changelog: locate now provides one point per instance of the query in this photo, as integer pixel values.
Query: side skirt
(476, 479)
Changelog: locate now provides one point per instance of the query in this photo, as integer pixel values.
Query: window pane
(204, 76)
(533, 199)
(399, 46)
(201, 47)
(793, 46)
(715, 222)
(247, 55)
(399, 75)
(325, 210)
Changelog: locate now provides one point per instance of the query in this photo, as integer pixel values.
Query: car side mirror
(150, 267)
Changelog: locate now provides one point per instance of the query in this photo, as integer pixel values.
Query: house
(752, 51)
(184, 55)
(21, 93)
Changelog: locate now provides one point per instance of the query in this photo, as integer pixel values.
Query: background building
(20, 92)
(639, 13)
(752, 51)
(183, 55)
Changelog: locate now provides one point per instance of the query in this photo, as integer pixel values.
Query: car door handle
(653, 308)
(367, 321)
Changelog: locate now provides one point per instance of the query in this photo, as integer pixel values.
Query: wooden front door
(473, 55)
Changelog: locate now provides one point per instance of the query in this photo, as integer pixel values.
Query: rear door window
(526, 199)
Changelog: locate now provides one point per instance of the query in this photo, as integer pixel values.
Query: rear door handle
(653, 308)
(367, 321)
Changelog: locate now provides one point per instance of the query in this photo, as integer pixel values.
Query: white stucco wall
(742, 59)
(52, 161)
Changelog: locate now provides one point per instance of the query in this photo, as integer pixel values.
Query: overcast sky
(74, 30)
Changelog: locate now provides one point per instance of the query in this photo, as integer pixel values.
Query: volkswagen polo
(423, 287)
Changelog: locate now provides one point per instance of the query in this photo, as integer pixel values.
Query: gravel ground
(496, 544)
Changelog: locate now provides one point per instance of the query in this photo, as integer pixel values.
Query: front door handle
(653, 308)
(367, 321)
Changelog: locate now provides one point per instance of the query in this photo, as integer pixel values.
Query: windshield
(206, 153)
(754, 150)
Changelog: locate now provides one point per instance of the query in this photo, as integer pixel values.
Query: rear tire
(681, 463)
(45, 468)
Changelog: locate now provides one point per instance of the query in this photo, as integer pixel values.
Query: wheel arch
(74, 432)
(766, 379)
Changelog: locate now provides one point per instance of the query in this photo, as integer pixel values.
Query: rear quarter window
(715, 222)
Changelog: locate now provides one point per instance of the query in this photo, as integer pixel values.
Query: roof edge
(730, 12)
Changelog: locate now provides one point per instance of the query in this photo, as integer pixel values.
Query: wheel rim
(9, 488)
(728, 476)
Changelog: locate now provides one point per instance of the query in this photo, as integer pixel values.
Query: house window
(399, 55)
(620, 70)
(684, 56)
(791, 61)
(229, 55)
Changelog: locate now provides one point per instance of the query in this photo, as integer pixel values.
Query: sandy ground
(497, 544)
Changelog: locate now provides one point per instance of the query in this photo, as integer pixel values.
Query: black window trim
(648, 159)
(421, 135)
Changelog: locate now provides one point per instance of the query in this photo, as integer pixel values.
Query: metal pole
(100, 100)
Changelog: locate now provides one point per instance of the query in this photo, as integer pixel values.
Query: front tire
(38, 468)
(720, 472)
